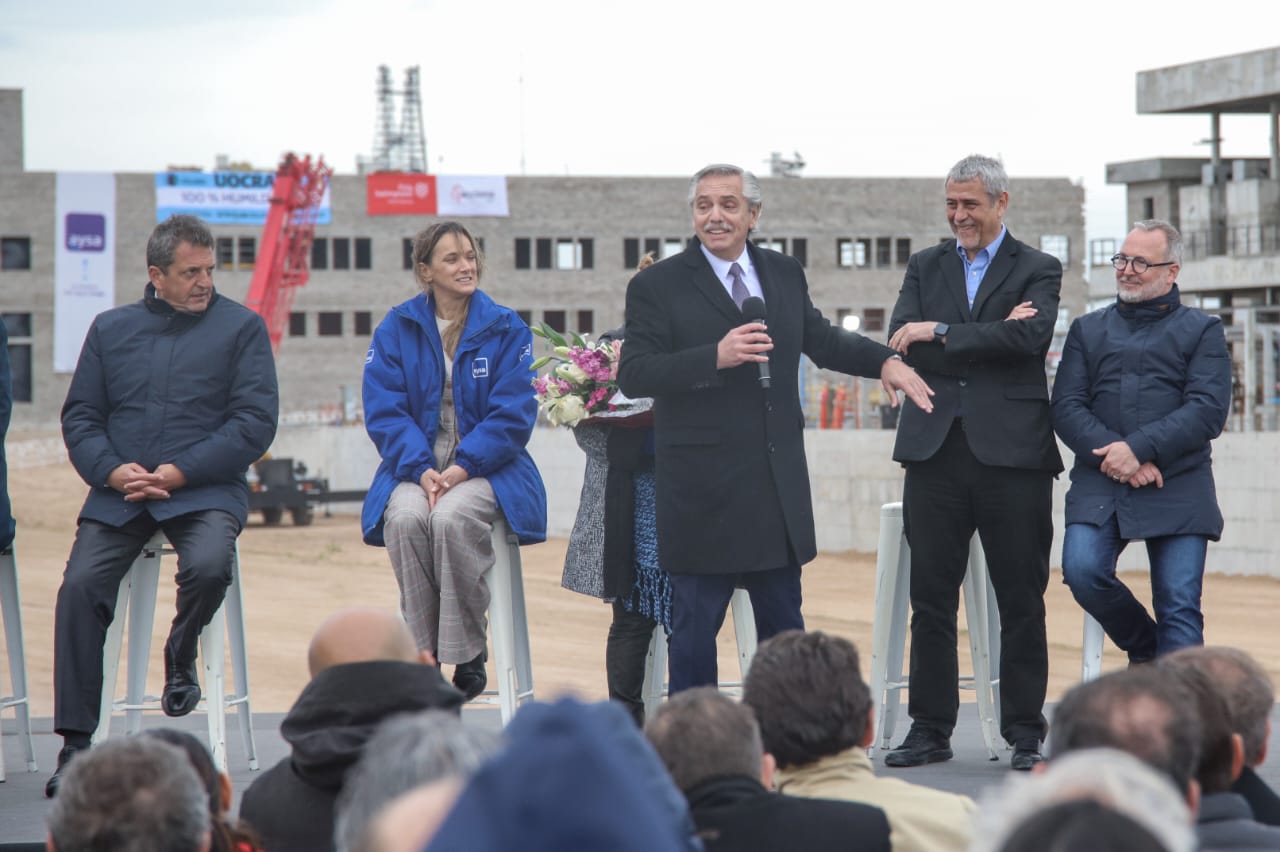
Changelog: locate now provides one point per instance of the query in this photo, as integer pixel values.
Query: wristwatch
(940, 330)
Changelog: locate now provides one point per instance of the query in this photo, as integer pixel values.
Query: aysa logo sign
(86, 232)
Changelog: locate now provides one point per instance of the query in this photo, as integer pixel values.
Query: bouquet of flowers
(583, 383)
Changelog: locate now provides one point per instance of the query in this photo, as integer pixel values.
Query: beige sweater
(921, 819)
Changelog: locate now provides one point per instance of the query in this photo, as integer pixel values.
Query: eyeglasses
(1140, 264)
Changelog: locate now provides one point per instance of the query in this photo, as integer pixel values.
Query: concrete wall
(852, 475)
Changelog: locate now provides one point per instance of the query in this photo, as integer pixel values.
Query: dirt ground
(294, 576)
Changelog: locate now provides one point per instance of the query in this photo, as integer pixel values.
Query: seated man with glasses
(1143, 387)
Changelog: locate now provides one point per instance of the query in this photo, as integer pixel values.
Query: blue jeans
(1089, 555)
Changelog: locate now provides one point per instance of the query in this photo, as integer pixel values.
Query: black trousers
(944, 500)
(624, 658)
(100, 557)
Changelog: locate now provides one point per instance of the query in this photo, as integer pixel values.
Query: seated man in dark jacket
(1143, 387)
(711, 745)
(174, 396)
(365, 667)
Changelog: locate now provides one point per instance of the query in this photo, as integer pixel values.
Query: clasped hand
(1120, 464)
(437, 484)
(137, 483)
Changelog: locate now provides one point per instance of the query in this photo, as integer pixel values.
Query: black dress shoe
(181, 686)
(1026, 754)
(921, 746)
(55, 780)
(470, 677)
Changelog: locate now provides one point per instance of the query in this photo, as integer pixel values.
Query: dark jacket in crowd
(1156, 375)
(1262, 800)
(1225, 822)
(154, 385)
(737, 814)
(290, 806)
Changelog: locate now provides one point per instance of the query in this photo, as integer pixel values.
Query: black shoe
(920, 747)
(55, 781)
(181, 686)
(1026, 754)
(470, 677)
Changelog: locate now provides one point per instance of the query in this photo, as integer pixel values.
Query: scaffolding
(398, 146)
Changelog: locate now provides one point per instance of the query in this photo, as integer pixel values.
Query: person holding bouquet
(447, 404)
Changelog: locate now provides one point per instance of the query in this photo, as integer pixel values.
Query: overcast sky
(659, 87)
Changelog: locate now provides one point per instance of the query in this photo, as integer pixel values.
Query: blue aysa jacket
(493, 397)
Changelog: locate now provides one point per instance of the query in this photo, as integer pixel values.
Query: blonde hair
(424, 246)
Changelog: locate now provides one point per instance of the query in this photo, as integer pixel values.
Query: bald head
(361, 635)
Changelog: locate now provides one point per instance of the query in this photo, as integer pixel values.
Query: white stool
(889, 631)
(12, 611)
(655, 663)
(1091, 654)
(137, 600)
(509, 623)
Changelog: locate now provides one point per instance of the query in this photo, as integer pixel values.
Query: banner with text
(222, 198)
(407, 194)
(84, 261)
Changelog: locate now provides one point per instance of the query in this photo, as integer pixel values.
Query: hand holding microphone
(747, 342)
(753, 310)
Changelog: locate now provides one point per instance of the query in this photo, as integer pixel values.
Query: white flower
(568, 410)
(572, 373)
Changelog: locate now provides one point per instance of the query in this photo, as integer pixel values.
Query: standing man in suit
(733, 504)
(975, 316)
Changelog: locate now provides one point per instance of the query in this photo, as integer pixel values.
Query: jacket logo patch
(368, 357)
(480, 368)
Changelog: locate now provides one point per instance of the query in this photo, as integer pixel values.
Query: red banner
(400, 194)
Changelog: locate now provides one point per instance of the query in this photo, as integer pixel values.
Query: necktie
(738, 288)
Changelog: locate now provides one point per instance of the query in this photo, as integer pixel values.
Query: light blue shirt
(976, 268)
(721, 269)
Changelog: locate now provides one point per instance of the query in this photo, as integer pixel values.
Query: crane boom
(284, 258)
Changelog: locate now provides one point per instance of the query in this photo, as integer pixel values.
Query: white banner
(222, 198)
(84, 268)
(460, 195)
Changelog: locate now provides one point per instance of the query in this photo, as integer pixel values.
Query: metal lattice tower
(413, 138)
(405, 149)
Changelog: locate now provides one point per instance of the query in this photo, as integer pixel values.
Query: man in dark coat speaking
(1143, 387)
(733, 504)
(173, 397)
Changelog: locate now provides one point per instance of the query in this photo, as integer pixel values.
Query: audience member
(365, 667)
(1094, 799)
(571, 776)
(1141, 711)
(224, 835)
(1223, 820)
(132, 794)
(406, 752)
(711, 745)
(816, 719)
(1250, 696)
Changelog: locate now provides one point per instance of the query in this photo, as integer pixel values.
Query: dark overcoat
(732, 482)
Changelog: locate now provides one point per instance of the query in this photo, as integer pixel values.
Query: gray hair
(750, 183)
(136, 794)
(1171, 237)
(1114, 779)
(989, 170)
(701, 734)
(406, 752)
(178, 228)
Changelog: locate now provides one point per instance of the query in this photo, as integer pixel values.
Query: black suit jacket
(1262, 800)
(732, 483)
(737, 814)
(990, 371)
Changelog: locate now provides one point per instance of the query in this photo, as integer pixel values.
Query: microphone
(753, 311)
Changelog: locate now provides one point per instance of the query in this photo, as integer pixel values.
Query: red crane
(285, 255)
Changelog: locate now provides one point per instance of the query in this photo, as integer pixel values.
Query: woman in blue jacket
(448, 404)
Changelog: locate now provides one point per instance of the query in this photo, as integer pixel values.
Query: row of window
(561, 252)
